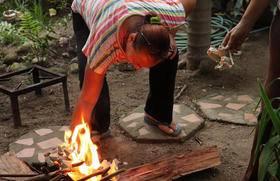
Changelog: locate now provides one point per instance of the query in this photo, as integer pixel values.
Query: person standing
(137, 31)
(234, 40)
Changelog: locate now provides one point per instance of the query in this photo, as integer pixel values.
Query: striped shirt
(103, 18)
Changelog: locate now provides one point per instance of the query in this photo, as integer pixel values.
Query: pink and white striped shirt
(103, 18)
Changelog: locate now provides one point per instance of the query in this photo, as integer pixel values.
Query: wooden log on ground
(10, 164)
(174, 167)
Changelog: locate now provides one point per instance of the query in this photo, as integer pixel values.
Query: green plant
(20, 5)
(59, 4)
(269, 160)
(31, 29)
(64, 21)
(9, 34)
(37, 12)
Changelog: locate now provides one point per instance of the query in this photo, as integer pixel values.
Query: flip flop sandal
(157, 123)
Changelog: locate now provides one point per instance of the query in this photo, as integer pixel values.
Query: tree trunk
(199, 34)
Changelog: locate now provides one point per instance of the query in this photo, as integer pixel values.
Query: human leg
(159, 104)
(274, 91)
(274, 61)
(81, 32)
(101, 112)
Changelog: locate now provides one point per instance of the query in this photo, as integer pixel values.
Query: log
(174, 167)
(10, 164)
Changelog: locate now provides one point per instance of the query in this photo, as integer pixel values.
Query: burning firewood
(78, 164)
(78, 159)
(95, 173)
(108, 177)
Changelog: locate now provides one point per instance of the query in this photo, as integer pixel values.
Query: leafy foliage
(9, 34)
(20, 5)
(37, 12)
(269, 161)
(59, 4)
(31, 29)
(64, 20)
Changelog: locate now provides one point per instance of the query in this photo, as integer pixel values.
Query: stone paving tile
(133, 116)
(43, 132)
(224, 115)
(27, 141)
(134, 125)
(192, 118)
(245, 98)
(176, 108)
(50, 143)
(250, 117)
(26, 153)
(205, 105)
(234, 107)
(143, 131)
(31, 147)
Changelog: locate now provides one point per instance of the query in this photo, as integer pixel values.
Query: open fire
(83, 152)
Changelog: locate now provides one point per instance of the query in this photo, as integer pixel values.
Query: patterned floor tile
(32, 146)
(234, 108)
(134, 125)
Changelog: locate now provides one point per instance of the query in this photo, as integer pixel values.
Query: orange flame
(83, 150)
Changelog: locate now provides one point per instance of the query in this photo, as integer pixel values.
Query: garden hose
(220, 26)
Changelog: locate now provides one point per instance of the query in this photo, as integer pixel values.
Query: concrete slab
(134, 125)
(32, 146)
(230, 107)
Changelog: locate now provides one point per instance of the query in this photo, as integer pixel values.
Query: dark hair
(152, 37)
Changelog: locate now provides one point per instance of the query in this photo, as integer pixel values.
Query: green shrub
(269, 160)
(59, 4)
(9, 34)
(20, 5)
(31, 29)
(37, 12)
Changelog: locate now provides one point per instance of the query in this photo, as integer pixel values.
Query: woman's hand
(173, 47)
(93, 84)
(234, 39)
(83, 112)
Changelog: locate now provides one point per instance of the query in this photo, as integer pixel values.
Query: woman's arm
(238, 34)
(92, 86)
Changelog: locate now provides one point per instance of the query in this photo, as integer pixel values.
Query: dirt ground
(129, 90)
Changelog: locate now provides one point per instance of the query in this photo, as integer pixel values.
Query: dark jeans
(274, 91)
(159, 102)
(160, 99)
